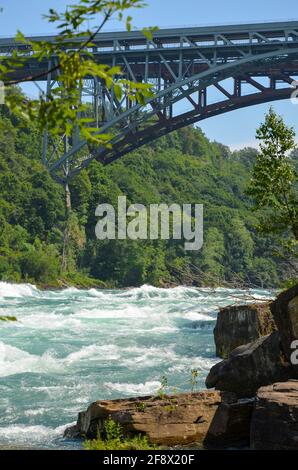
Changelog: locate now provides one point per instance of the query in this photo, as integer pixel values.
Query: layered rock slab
(241, 324)
(172, 420)
(275, 417)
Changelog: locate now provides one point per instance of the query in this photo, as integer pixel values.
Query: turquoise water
(72, 347)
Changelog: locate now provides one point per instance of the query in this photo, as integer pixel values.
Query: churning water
(72, 347)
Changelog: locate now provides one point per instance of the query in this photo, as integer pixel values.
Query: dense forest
(184, 167)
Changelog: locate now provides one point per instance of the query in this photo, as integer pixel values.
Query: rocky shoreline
(254, 401)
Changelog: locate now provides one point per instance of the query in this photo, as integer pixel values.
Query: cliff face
(241, 324)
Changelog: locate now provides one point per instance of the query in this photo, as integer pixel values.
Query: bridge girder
(135, 126)
(215, 70)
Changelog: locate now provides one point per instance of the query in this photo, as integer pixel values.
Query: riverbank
(83, 282)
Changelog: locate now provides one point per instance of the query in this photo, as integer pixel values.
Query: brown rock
(275, 417)
(230, 426)
(174, 420)
(285, 313)
(251, 366)
(242, 324)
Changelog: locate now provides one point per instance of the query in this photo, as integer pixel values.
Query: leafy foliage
(114, 439)
(8, 318)
(61, 111)
(194, 374)
(183, 167)
(274, 184)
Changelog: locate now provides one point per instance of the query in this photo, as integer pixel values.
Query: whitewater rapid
(71, 347)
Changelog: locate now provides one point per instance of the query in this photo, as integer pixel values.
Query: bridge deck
(197, 44)
(212, 70)
(204, 33)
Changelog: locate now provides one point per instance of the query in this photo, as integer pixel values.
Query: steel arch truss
(208, 77)
(236, 87)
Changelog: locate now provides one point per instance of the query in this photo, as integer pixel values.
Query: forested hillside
(184, 167)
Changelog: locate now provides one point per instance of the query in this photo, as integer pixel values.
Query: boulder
(275, 417)
(285, 313)
(230, 426)
(171, 420)
(251, 366)
(241, 324)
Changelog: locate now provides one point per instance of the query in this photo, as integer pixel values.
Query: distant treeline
(184, 167)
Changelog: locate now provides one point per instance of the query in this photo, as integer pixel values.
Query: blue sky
(235, 129)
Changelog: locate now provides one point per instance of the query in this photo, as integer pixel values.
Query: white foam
(147, 388)
(142, 357)
(97, 293)
(17, 290)
(185, 364)
(16, 361)
(195, 316)
(124, 311)
(31, 435)
(108, 352)
(163, 329)
(35, 412)
(157, 293)
(70, 290)
(50, 321)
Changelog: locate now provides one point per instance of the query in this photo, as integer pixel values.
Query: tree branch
(57, 67)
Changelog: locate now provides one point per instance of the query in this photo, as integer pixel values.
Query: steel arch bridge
(207, 70)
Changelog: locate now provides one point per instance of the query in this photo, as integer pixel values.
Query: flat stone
(173, 420)
(275, 417)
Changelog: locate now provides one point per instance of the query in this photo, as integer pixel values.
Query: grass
(115, 440)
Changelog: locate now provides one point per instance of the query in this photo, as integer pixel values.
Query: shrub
(40, 265)
(115, 440)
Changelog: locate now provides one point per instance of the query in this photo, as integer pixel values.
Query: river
(71, 347)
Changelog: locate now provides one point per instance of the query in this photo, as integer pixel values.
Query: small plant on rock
(161, 393)
(114, 439)
(194, 379)
(141, 406)
(170, 408)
